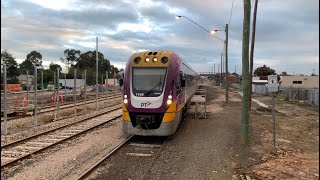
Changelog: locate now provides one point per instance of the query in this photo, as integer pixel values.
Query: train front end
(149, 97)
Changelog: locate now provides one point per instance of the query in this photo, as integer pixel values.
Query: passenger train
(157, 88)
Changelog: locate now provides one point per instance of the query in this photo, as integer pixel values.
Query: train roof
(155, 53)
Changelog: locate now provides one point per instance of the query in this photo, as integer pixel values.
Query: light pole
(212, 32)
(226, 30)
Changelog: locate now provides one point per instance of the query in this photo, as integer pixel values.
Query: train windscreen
(148, 82)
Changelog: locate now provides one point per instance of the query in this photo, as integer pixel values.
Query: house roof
(260, 81)
(24, 77)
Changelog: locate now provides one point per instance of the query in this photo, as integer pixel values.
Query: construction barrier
(24, 102)
(53, 99)
(12, 87)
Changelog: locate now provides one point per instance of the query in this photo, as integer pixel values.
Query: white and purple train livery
(157, 87)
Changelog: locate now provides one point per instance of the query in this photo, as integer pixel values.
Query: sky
(287, 31)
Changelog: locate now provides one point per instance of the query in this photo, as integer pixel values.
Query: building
(23, 81)
(303, 82)
(259, 86)
(233, 78)
(70, 83)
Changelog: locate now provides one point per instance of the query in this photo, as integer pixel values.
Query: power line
(231, 12)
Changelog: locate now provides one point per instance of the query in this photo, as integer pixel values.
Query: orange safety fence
(12, 87)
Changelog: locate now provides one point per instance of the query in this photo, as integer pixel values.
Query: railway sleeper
(39, 143)
(27, 147)
(68, 134)
(3, 153)
(60, 137)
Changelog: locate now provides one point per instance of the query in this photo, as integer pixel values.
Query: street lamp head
(178, 17)
(213, 31)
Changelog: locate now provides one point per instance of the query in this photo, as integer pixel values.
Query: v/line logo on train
(157, 88)
(145, 104)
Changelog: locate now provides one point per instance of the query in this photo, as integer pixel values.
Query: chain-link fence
(310, 96)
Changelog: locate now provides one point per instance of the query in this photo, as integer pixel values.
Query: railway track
(52, 108)
(147, 149)
(110, 96)
(27, 147)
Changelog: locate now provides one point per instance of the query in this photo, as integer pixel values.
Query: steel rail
(93, 167)
(58, 142)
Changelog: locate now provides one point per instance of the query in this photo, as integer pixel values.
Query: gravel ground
(24, 127)
(204, 148)
(71, 159)
(200, 149)
(297, 141)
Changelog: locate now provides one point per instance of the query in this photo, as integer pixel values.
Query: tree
(284, 73)
(12, 67)
(35, 58)
(47, 76)
(53, 67)
(71, 56)
(88, 62)
(25, 66)
(264, 71)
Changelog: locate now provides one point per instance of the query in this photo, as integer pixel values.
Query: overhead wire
(231, 12)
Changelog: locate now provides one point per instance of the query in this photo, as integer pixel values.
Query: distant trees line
(73, 59)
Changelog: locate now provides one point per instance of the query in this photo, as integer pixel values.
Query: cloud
(287, 31)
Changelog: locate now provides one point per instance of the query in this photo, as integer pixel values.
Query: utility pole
(245, 74)
(214, 68)
(221, 70)
(252, 49)
(226, 61)
(97, 74)
(235, 69)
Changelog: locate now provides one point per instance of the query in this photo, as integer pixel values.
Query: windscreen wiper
(153, 88)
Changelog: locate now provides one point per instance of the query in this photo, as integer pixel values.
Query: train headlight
(147, 59)
(125, 100)
(169, 101)
(155, 59)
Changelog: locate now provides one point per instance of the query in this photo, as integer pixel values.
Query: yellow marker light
(155, 59)
(170, 97)
(125, 101)
(169, 101)
(147, 59)
(125, 96)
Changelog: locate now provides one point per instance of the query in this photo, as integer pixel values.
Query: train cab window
(148, 82)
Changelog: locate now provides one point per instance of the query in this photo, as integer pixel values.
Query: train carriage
(157, 87)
